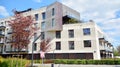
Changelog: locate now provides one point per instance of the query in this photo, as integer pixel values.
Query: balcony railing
(16, 52)
(105, 45)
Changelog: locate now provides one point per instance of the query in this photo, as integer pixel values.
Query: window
(71, 45)
(5, 48)
(43, 15)
(53, 22)
(86, 31)
(10, 47)
(35, 46)
(53, 11)
(58, 34)
(1, 32)
(43, 25)
(42, 35)
(71, 33)
(35, 35)
(58, 45)
(87, 43)
(36, 17)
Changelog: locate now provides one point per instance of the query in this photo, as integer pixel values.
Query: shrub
(13, 62)
(70, 62)
(78, 61)
(1, 59)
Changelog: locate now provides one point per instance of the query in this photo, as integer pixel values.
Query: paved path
(66, 65)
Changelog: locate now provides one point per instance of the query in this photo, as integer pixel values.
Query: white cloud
(102, 12)
(3, 11)
(38, 1)
(105, 8)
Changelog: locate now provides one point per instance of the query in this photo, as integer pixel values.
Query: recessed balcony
(1, 43)
(2, 27)
(69, 20)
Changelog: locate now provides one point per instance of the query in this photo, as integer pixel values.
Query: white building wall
(78, 39)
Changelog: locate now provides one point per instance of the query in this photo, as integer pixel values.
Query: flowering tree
(44, 47)
(22, 30)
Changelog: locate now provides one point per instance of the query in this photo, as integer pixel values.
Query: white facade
(71, 38)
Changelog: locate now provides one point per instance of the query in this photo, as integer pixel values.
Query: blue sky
(9, 5)
(105, 13)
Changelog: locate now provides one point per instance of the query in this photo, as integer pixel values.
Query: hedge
(96, 62)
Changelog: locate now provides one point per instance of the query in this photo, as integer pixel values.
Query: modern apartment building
(69, 39)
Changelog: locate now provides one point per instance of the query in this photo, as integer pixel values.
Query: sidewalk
(72, 65)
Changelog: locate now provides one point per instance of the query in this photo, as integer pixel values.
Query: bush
(70, 62)
(13, 62)
(1, 59)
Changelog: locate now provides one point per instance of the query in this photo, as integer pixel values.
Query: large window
(86, 31)
(58, 34)
(43, 15)
(35, 47)
(43, 25)
(36, 17)
(53, 11)
(71, 45)
(71, 33)
(87, 43)
(53, 22)
(42, 35)
(58, 45)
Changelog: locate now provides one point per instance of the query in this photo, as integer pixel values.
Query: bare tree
(118, 49)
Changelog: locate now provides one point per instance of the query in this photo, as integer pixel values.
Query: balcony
(1, 35)
(10, 32)
(105, 45)
(2, 27)
(23, 51)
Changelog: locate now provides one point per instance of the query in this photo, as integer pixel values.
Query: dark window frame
(36, 17)
(58, 45)
(42, 35)
(58, 34)
(53, 11)
(71, 45)
(86, 31)
(35, 46)
(43, 15)
(71, 33)
(87, 43)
